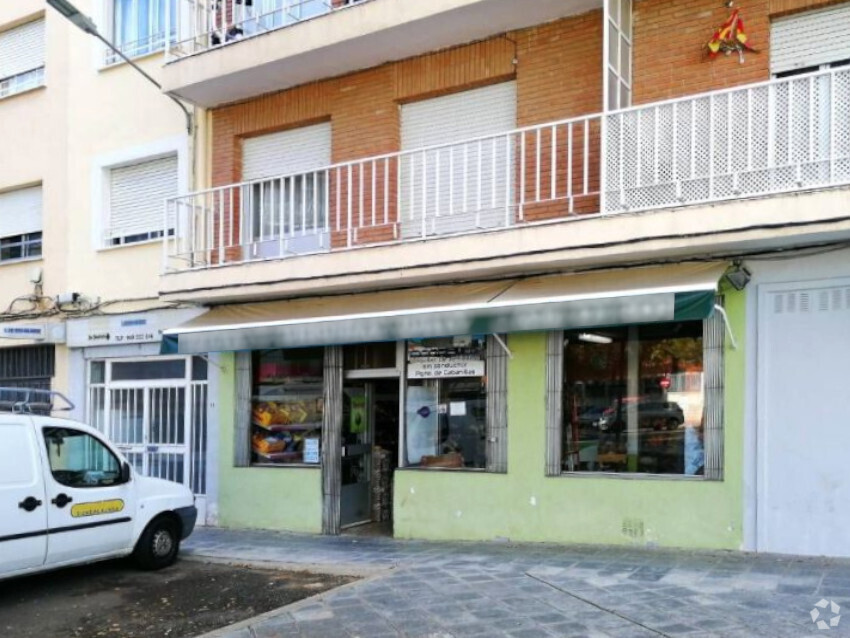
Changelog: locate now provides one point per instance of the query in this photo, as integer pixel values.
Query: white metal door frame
(157, 397)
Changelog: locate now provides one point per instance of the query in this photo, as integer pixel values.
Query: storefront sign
(19, 331)
(444, 367)
(125, 329)
(311, 450)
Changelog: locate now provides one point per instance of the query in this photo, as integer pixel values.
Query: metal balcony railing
(207, 24)
(779, 136)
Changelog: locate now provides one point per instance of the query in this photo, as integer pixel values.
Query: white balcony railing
(772, 137)
(779, 136)
(207, 24)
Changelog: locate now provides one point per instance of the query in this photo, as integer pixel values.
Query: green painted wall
(270, 498)
(525, 505)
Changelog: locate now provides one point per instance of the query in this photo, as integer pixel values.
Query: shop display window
(634, 400)
(287, 406)
(446, 403)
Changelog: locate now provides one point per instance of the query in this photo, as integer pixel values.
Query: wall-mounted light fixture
(591, 337)
(738, 276)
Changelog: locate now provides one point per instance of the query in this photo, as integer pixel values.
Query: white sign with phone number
(442, 368)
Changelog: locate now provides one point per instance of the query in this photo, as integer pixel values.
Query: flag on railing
(731, 36)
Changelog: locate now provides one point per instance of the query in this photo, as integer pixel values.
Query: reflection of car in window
(651, 415)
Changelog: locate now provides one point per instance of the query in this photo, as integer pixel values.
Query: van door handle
(29, 503)
(61, 500)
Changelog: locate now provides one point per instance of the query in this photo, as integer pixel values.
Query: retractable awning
(588, 300)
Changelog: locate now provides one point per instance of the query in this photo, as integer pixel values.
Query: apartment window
(20, 224)
(140, 26)
(22, 58)
(137, 194)
(287, 213)
(642, 400)
(618, 66)
(810, 41)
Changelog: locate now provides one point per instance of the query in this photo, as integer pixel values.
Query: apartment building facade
(483, 269)
(90, 151)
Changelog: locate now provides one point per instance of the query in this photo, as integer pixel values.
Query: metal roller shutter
(137, 196)
(466, 183)
(22, 49)
(810, 39)
(20, 212)
(294, 151)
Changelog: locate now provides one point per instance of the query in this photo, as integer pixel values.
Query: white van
(68, 496)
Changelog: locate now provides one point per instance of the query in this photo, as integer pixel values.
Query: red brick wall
(669, 39)
(363, 107)
(781, 7)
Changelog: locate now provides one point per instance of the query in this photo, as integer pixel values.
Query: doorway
(370, 440)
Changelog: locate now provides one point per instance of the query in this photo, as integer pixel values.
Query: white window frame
(101, 179)
(25, 241)
(105, 17)
(31, 79)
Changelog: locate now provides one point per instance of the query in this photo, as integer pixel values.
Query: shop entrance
(370, 437)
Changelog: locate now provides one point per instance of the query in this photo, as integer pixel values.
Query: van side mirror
(125, 472)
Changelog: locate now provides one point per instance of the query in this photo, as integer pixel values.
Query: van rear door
(23, 515)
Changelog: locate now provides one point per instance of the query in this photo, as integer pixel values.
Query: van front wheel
(158, 545)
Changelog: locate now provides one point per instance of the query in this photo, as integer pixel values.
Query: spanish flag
(731, 36)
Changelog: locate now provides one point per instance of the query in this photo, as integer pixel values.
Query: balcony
(643, 173)
(224, 51)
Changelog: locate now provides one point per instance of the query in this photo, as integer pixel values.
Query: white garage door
(804, 419)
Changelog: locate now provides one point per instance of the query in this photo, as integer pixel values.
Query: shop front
(584, 407)
(154, 408)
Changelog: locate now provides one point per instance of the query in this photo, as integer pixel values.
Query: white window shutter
(459, 116)
(20, 212)
(473, 178)
(21, 49)
(810, 39)
(137, 195)
(299, 150)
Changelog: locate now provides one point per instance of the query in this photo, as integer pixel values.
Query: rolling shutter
(21, 49)
(459, 116)
(137, 196)
(810, 39)
(297, 150)
(466, 183)
(20, 212)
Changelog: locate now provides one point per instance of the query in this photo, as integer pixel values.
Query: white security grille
(464, 186)
(21, 212)
(137, 194)
(772, 137)
(810, 39)
(159, 424)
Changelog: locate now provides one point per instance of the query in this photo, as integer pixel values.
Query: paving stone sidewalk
(416, 589)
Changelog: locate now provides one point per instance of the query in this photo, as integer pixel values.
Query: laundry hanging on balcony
(730, 37)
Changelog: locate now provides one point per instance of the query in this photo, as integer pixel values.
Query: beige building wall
(63, 135)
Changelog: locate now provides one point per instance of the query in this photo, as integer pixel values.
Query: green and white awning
(587, 300)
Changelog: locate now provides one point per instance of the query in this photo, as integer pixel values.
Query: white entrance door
(155, 411)
(804, 418)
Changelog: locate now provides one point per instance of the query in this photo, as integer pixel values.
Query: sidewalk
(452, 590)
